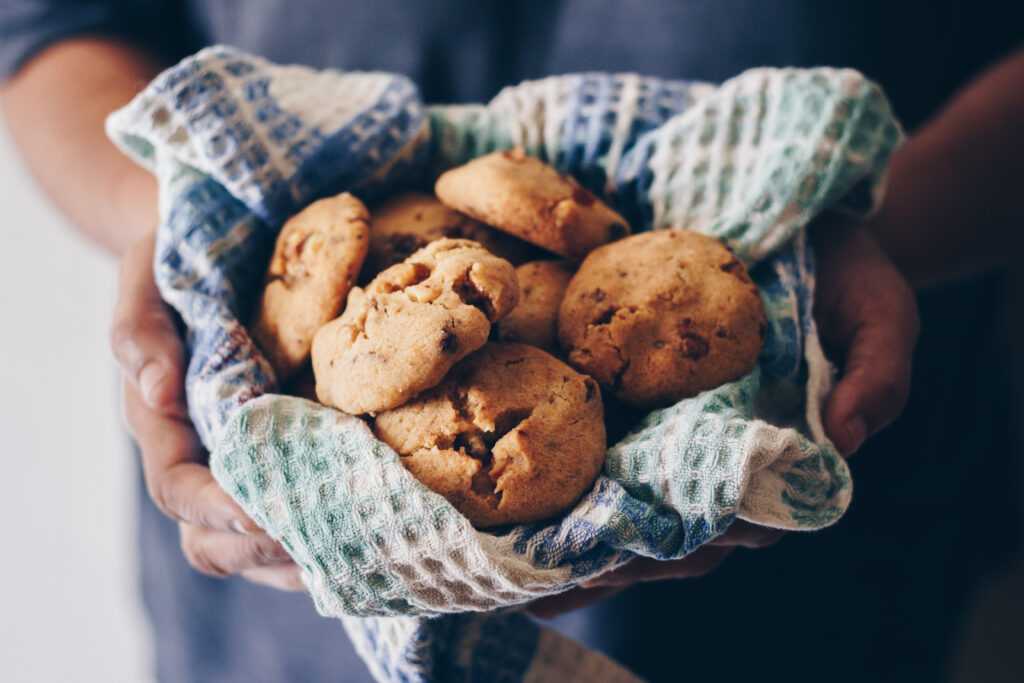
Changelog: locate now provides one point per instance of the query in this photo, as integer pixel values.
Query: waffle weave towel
(239, 144)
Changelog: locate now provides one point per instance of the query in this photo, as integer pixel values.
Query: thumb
(143, 335)
(875, 383)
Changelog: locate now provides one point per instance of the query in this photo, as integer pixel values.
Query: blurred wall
(67, 580)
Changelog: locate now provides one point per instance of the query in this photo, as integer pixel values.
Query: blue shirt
(947, 463)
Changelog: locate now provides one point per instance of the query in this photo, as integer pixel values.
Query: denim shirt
(904, 584)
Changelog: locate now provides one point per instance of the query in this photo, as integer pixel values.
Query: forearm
(954, 205)
(55, 108)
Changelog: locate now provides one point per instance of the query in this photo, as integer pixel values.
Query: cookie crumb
(694, 346)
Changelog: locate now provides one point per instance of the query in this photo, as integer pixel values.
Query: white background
(67, 577)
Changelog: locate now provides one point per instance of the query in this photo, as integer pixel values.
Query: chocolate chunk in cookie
(410, 325)
(512, 435)
(662, 316)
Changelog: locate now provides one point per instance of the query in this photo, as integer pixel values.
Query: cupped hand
(699, 563)
(867, 315)
(217, 537)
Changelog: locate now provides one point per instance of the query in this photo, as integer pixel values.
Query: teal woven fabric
(239, 144)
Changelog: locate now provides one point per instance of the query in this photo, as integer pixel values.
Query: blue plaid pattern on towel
(239, 144)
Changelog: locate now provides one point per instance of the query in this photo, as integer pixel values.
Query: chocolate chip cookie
(524, 196)
(316, 260)
(404, 224)
(512, 435)
(410, 325)
(534, 321)
(662, 316)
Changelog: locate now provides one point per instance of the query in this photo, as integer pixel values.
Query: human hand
(867, 316)
(217, 537)
(699, 563)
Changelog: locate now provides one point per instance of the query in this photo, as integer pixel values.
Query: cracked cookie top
(316, 259)
(527, 198)
(410, 325)
(406, 223)
(662, 316)
(512, 435)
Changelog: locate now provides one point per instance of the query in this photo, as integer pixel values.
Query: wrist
(135, 208)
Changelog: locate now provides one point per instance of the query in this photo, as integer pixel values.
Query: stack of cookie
(484, 376)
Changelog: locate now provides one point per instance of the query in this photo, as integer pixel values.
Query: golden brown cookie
(404, 224)
(535, 320)
(512, 435)
(413, 322)
(524, 196)
(316, 260)
(662, 316)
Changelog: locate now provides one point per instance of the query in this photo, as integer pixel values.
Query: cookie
(512, 435)
(662, 316)
(531, 200)
(316, 260)
(410, 325)
(535, 320)
(409, 222)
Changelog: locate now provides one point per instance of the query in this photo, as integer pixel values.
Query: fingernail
(149, 379)
(856, 433)
(238, 527)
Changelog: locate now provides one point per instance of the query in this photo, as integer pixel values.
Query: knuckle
(199, 558)
(164, 497)
(262, 552)
(124, 335)
(290, 580)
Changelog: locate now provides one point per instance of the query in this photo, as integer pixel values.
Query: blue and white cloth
(239, 144)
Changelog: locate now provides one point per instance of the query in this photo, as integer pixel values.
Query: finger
(220, 554)
(875, 382)
(285, 577)
(143, 336)
(577, 598)
(746, 535)
(867, 311)
(699, 563)
(179, 484)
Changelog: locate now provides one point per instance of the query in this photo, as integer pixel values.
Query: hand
(642, 569)
(867, 316)
(217, 537)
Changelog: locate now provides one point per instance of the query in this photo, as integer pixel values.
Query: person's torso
(466, 50)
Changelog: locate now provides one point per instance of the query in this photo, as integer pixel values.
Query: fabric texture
(239, 144)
